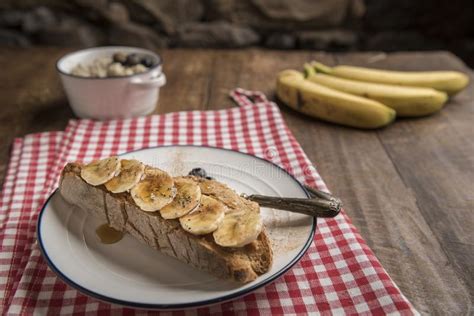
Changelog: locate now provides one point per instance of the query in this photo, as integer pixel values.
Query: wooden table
(409, 188)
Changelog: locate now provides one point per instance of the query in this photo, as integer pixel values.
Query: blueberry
(209, 178)
(120, 57)
(147, 61)
(198, 172)
(132, 60)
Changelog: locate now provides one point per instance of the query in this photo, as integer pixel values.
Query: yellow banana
(406, 101)
(329, 104)
(450, 82)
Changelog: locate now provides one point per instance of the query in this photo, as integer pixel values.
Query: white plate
(132, 274)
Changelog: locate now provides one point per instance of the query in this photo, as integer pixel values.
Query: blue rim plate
(131, 274)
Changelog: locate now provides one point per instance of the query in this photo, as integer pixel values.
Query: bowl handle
(154, 82)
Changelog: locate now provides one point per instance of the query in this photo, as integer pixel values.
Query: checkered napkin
(338, 274)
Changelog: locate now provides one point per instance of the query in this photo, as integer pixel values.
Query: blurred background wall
(332, 25)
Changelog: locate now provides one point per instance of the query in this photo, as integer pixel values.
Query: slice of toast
(242, 264)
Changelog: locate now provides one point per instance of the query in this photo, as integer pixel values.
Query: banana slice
(238, 229)
(187, 198)
(131, 172)
(206, 218)
(100, 171)
(155, 191)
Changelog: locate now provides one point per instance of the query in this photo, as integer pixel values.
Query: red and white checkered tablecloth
(339, 274)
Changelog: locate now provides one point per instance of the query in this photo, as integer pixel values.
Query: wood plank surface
(434, 158)
(408, 188)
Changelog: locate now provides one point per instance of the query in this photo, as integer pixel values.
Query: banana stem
(318, 67)
(308, 70)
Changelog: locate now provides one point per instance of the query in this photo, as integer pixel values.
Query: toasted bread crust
(243, 264)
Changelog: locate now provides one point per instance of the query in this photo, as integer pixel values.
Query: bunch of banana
(450, 82)
(329, 104)
(406, 101)
(366, 98)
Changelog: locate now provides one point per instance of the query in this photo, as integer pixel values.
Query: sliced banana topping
(100, 171)
(131, 172)
(188, 195)
(154, 191)
(234, 223)
(238, 229)
(206, 218)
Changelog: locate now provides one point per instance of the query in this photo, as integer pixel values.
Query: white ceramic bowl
(111, 97)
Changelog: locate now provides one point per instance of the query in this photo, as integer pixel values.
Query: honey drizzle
(108, 235)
